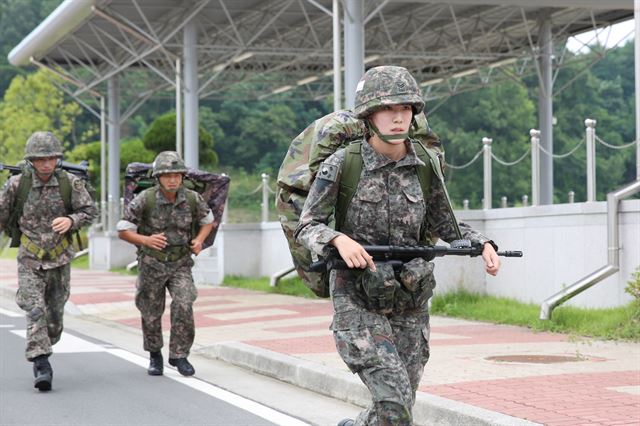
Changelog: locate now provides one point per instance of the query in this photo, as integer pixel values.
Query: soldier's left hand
(61, 224)
(491, 259)
(196, 247)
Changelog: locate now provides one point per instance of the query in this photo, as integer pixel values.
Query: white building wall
(562, 243)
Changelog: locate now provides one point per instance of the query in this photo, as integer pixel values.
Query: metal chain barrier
(465, 165)
(563, 155)
(244, 194)
(512, 163)
(627, 145)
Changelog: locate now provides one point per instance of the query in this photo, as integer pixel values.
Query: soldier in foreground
(44, 203)
(167, 222)
(381, 319)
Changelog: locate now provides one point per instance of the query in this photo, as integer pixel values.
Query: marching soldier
(41, 207)
(381, 319)
(168, 223)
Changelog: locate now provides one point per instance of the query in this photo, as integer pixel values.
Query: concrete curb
(428, 410)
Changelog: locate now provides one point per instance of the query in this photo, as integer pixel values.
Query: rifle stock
(398, 255)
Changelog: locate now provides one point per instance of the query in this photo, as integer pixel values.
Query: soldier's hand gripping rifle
(398, 255)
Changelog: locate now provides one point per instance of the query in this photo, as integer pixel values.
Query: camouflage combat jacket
(43, 204)
(387, 208)
(172, 219)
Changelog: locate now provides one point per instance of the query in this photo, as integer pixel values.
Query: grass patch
(612, 323)
(9, 253)
(289, 286)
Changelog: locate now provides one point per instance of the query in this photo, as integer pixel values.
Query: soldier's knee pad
(395, 413)
(35, 314)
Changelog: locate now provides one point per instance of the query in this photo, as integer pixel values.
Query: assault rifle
(81, 170)
(398, 255)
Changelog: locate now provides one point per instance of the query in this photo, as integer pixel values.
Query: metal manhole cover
(536, 359)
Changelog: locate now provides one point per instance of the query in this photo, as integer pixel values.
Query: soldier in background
(167, 222)
(45, 250)
(381, 319)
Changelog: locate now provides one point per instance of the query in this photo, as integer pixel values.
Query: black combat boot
(43, 373)
(184, 367)
(156, 364)
(346, 422)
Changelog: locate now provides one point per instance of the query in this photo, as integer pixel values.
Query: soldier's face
(170, 182)
(393, 119)
(44, 166)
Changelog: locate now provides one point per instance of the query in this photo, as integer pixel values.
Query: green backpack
(310, 148)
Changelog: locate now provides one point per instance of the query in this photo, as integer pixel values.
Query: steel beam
(353, 49)
(545, 111)
(190, 72)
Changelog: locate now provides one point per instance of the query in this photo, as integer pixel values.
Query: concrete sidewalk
(480, 374)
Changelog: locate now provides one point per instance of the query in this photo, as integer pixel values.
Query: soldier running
(40, 207)
(167, 222)
(381, 318)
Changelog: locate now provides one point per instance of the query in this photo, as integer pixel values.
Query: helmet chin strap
(387, 138)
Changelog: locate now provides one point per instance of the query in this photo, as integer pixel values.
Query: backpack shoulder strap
(424, 173)
(192, 199)
(64, 185)
(350, 176)
(24, 186)
(432, 159)
(149, 206)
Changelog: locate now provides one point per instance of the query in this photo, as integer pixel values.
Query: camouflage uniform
(156, 275)
(44, 282)
(384, 337)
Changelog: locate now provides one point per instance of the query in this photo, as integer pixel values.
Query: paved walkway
(487, 374)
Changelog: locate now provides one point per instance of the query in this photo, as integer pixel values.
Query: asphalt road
(95, 383)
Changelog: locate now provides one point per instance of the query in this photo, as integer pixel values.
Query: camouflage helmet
(386, 85)
(42, 145)
(168, 162)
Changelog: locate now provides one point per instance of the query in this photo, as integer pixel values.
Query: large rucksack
(309, 149)
(213, 187)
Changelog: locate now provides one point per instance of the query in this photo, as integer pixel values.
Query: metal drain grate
(536, 359)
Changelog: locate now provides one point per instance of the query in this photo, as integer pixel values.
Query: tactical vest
(24, 187)
(352, 170)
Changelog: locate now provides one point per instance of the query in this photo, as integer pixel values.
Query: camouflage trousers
(154, 279)
(389, 353)
(42, 295)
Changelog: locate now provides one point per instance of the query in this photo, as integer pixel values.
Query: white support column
(179, 107)
(114, 153)
(265, 198)
(190, 72)
(337, 62)
(103, 164)
(535, 167)
(486, 148)
(545, 108)
(636, 8)
(353, 48)
(591, 158)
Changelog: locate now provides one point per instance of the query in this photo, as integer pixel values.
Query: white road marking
(72, 344)
(10, 313)
(214, 391)
(6, 325)
(69, 343)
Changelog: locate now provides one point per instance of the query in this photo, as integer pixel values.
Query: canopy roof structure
(286, 45)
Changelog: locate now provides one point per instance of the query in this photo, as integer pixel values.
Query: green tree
(161, 136)
(30, 104)
(17, 19)
(503, 113)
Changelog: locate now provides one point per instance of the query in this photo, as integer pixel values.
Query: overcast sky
(612, 35)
